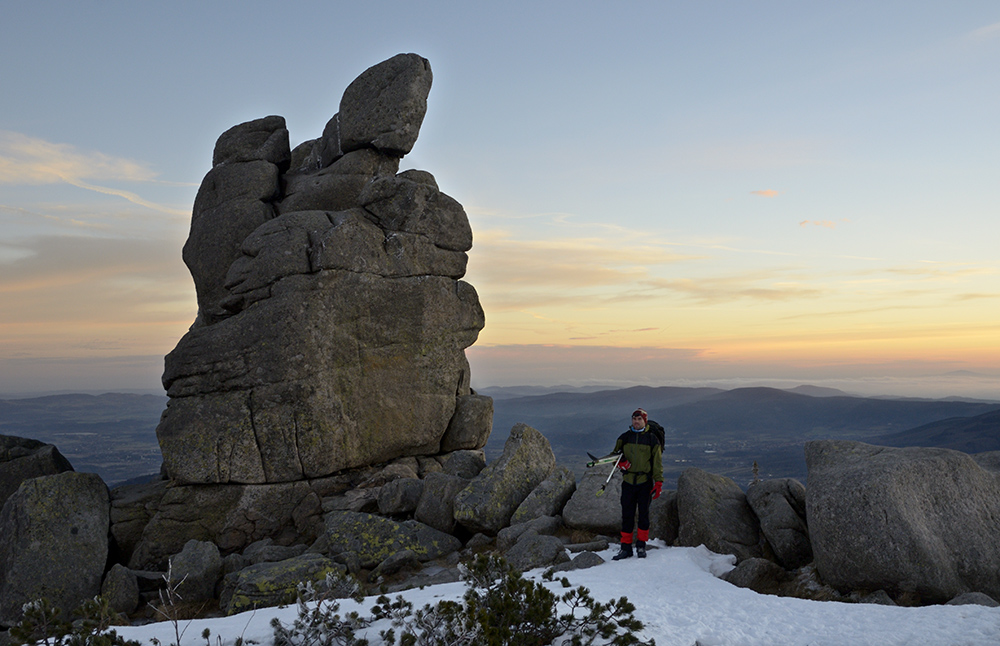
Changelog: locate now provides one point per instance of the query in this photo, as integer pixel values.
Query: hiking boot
(624, 553)
(640, 549)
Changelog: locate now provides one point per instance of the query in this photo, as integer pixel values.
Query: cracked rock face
(332, 320)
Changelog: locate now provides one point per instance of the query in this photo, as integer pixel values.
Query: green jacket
(643, 451)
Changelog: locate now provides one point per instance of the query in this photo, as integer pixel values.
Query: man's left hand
(657, 490)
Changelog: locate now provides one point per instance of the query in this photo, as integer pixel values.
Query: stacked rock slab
(332, 320)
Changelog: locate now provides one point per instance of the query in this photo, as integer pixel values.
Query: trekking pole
(613, 469)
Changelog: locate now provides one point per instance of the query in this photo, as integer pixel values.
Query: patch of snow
(681, 601)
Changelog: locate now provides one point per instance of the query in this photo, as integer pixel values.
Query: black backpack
(658, 432)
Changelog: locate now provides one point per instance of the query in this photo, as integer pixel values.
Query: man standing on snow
(642, 464)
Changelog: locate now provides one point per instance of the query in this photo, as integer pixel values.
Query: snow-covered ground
(680, 601)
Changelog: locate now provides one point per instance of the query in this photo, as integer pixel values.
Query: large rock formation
(331, 322)
(918, 521)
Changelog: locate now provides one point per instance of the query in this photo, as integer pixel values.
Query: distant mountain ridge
(723, 431)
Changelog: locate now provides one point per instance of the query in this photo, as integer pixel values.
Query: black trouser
(635, 495)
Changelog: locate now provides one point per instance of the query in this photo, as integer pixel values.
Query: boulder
(402, 205)
(53, 542)
(879, 597)
(400, 496)
(402, 560)
(233, 200)
(120, 589)
(534, 550)
(713, 511)
(465, 464)
(581, 561)
(491, 498)
(664, 522)
(914, 521)
(22, 458)
(231, 516)
(384, 107)
(429, 464)
(780, 505)
(272, 584)
(471, 424)
(436, 506)
(587, 511)
(974, 598)
(546, 525)
(548, 498)
(758, 574)
(196, 570)
(373, 538)
(258, 140)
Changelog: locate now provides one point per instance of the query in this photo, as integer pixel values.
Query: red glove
(624, 465)
(657, 490)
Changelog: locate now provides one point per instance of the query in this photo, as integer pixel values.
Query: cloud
(81, 296)
(767, 285)
(28, 160)
(508, 263)
(765, 193)
(985, 33)
(829, 224)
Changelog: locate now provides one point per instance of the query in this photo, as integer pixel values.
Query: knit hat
(641, 413)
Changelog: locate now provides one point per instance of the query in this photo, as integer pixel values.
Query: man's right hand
(624, 465)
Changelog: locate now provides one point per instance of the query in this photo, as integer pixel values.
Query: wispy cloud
(33, 161)
(828, 224)
(986, 33)
(769, 285)
(766, 193)
(564, 262)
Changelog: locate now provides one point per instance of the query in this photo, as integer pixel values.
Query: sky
(660, 192)
(680, 602)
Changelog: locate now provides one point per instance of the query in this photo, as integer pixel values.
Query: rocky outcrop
(907, 520)
(488, 503)
(231, 516)
(332, 322)
(53, 542)
(780, 505)
(713, 511)
(22, 458)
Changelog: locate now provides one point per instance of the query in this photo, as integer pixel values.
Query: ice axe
(604, 486)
